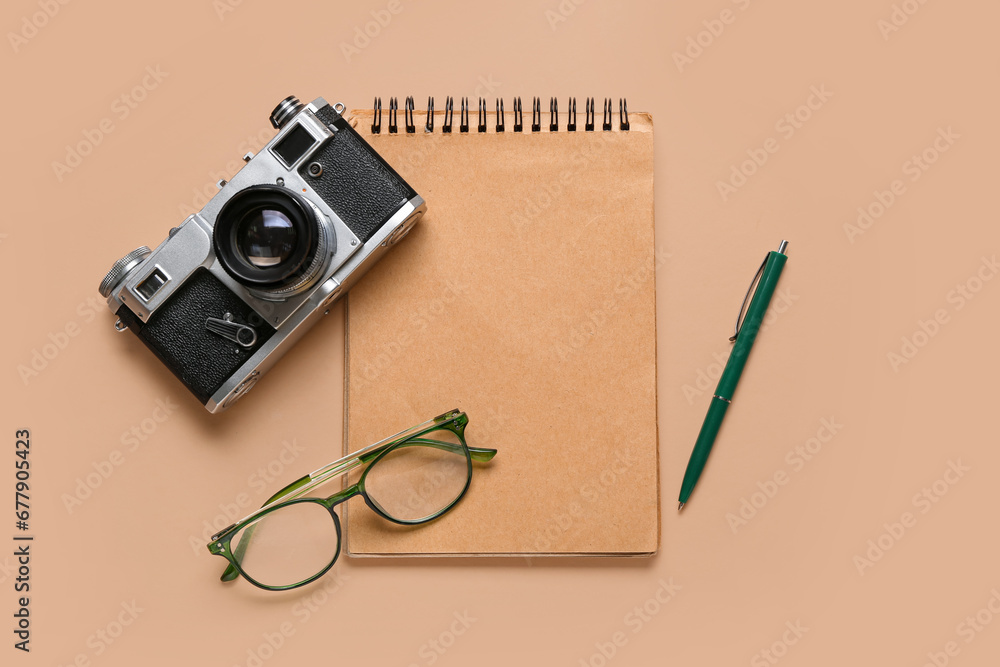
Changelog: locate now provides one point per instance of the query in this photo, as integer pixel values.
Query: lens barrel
(268, 238)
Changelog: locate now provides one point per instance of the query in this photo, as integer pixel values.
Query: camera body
(238, 283)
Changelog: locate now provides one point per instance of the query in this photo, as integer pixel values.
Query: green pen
(766, 280)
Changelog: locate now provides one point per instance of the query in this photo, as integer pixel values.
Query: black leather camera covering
(356, 182)
(176, 333)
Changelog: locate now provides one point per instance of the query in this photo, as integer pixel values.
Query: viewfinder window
(294, 145)
(148, 287)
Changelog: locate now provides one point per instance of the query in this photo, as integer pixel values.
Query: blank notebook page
(525, 297)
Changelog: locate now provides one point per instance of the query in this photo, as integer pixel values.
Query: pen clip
(743, 306)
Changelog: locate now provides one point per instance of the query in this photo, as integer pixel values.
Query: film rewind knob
(121, 268)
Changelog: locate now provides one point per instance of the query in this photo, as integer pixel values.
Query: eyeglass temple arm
(482, 454)
(477, 453)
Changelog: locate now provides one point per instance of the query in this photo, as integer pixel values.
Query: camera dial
(285, 110)
(121, 268)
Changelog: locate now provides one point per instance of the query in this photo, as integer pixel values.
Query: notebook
(525, 297)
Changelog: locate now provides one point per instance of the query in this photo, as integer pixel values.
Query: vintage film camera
(235, 285)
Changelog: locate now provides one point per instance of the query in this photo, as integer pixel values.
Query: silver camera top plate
(190, 246)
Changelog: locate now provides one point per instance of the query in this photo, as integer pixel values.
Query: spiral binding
(463, 119)
(518, 125)
(408, 116)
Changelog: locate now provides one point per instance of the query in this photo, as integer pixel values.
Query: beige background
(847, 306)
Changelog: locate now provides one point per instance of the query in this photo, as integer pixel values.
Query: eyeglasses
(413, 477)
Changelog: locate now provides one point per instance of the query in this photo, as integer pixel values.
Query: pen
(766, 280)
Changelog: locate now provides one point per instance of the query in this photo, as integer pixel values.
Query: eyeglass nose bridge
(342, 496)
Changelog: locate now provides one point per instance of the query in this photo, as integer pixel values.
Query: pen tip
(680, 506)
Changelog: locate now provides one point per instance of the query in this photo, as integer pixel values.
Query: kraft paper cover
(524, 296)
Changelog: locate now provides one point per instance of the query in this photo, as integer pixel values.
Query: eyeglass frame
(454, 421)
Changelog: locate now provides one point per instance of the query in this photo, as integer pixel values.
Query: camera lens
(266, 237)
(272, 240)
